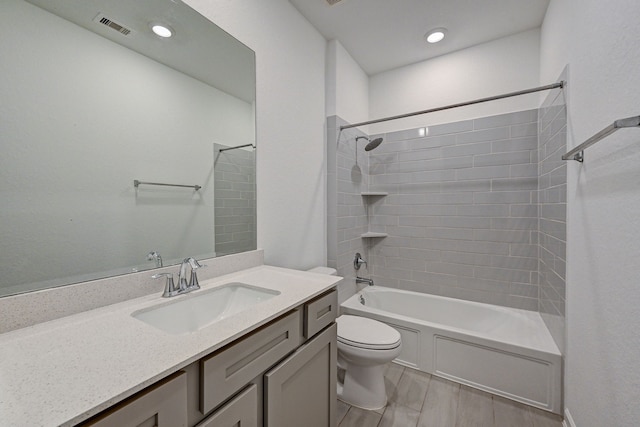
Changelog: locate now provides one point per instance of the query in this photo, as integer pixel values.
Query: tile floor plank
(508, 413)
(444, 404)
(412, 389)
(441, 403)
(357, 417)
(542, 418)
(475, 408)
(341, 410)
(399, 416)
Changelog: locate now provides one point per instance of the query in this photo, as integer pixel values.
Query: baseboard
(568, 420)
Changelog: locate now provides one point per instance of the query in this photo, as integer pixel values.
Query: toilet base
(363, 387)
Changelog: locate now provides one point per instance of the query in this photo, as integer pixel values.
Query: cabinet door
(228, 370)
(163, 404)
(241, 411)
(301, 390)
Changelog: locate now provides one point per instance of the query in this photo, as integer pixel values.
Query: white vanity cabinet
(281, 374)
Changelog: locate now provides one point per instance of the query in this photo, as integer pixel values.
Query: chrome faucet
(364, 280)
(153, 255)
(170, 289)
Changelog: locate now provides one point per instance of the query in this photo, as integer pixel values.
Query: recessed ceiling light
(162, 30)
(436, 35)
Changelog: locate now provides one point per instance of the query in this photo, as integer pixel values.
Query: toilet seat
(366, 333)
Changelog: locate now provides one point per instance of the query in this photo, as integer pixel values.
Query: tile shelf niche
(366, 195)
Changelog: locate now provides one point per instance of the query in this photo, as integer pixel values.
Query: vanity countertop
(64, 371)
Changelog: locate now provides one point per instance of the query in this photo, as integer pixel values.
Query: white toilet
(364, 347)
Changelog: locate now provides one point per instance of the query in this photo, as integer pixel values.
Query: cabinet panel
(228, 370)
(319, 313)
(241, 411)
(164, 404)
(301, 391)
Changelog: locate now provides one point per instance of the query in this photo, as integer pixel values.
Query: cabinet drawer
(163, 404)
(240, 411)
(319, 313)
(231, 368)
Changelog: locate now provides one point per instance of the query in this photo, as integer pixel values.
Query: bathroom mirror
(92, 100)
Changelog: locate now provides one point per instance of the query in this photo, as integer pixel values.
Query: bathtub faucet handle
(358, 261)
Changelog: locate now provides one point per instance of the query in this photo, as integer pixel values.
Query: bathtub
(504, 351)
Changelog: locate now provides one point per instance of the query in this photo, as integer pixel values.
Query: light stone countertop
(66, 370)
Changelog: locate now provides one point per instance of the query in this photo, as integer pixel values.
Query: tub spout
(363, 280)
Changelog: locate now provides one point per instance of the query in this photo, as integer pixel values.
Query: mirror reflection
(92, 100)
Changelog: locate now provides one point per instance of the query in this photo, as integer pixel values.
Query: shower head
(372, 144)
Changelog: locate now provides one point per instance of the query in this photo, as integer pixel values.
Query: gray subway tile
(467, 149)
(455, 127)
(507, 119)
(509, 159)
(514, 184)
(483, 135)
(502, 274)
(527, 129)
(490, 172)
(514, 144)
(514, 223)
(508, 236)
(502, 198)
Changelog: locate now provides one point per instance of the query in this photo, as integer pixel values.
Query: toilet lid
(366, 333)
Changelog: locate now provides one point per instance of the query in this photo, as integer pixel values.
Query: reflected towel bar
(238, 146)
(136, 183)
(578, 152)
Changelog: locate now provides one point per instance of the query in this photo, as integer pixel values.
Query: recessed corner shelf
(371, 234)
(374, 193)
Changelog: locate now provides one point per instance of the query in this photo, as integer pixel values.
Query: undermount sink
(192, 312)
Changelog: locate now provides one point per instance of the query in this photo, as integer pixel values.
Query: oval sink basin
(195, 311)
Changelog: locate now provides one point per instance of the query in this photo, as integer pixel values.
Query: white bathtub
(504, 351)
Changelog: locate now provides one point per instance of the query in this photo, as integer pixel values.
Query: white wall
(500, 66)
(347, 85)
(599, 42)
(290, 56)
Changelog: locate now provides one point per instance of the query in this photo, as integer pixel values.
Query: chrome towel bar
(136, 183)
(237, 146)
(578, 152)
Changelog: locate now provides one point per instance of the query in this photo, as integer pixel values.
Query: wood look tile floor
(417, 399)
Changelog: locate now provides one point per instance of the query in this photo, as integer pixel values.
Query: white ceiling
(385, 34)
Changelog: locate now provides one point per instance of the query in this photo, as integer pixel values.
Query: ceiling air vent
(102, 19)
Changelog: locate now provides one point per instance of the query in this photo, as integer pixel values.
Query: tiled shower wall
(552, 185)
(475, 209)
(346, 214)
(462, 213)
(234, 200)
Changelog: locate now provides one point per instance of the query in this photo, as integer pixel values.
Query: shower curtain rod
(461, 104)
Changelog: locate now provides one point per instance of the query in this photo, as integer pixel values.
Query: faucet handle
(169, 287)
(195, 264)
(358, 261)
(193, 281)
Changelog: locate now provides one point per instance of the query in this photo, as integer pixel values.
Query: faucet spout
(364, 280)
